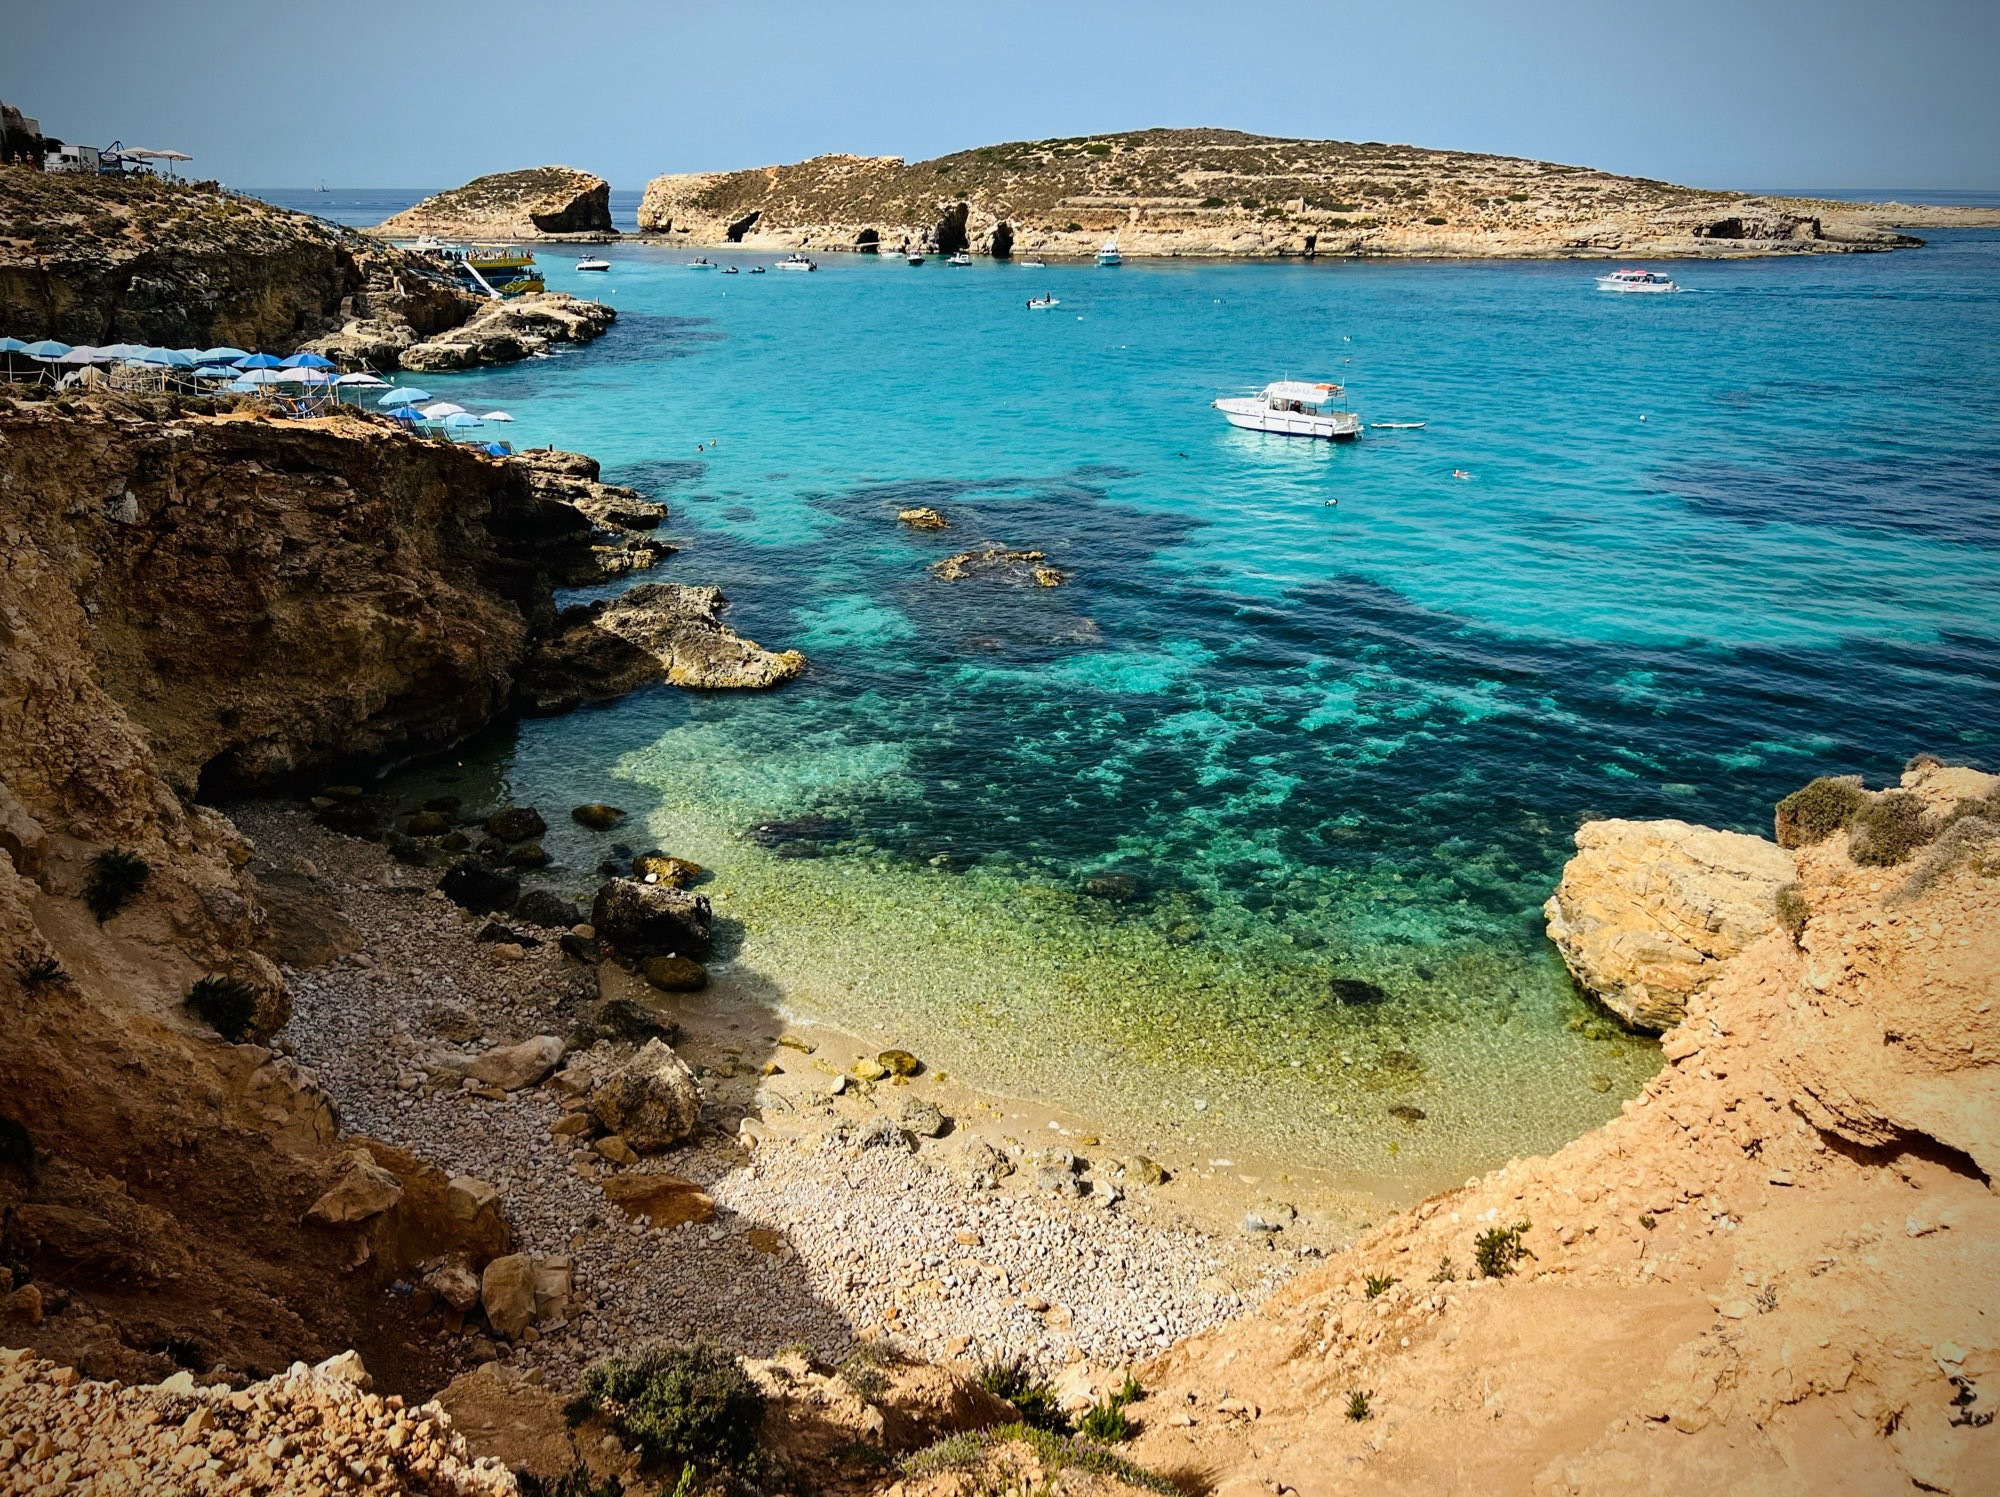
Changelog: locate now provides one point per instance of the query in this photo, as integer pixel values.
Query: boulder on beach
(480, 887)
(676, 974)
(507, 1293)
(659, 867)
(511, 1067)
(366, 1190)
(516, 824)
(643, 920)
(551, 911)
(651, 1101)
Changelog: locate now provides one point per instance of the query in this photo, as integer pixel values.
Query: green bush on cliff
(1499, 1250)
(1793, 911)
(1812, 814)
(115, 878)
(971, 1452)
(691, 1404)
(227, 1006)
(1888, 829)
(1010, 1379)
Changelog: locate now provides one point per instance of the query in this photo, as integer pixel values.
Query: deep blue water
(1710, 545)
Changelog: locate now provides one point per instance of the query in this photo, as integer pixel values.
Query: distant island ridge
(1198, 193)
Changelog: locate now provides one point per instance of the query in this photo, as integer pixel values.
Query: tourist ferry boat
(1635, 280)
(593, 262)
(501, 271)
(796, 260)
(1107, 253)
(1293, 408)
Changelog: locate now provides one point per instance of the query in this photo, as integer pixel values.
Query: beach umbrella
(12, 345)
(243, 384)
(221, 355)
(409, 414)
(256, 361)
(458, 420)
(172, 358)
(48, 348)
(440, 409)
(362, 380)
(496, 416)
(305, 360)
(83, 355)
(123, 350)
(305, 376)
(215, 371)
(404, 396)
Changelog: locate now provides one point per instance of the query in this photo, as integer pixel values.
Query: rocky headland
(540, 202)
(1222, 193)
(94, 259)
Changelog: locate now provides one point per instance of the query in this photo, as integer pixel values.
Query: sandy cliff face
(541, 202)
(1774, 1273)
(229, 600)
(1224, 193)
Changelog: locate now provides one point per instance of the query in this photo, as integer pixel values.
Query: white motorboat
(1107, 252)
(731, 270)
(1043, 303)
(796, 261)
(1635, 280)
(961, 258)
(701, 262)
(593, 262)
(915, 257)
(1034, 264)
(1293, 408)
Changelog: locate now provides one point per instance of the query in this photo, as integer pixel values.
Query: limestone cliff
(1225, 193)
(1773, 1273)
(110, 259)
(541, 202)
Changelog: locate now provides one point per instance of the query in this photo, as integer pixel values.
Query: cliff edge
(539, 202)
(1773, 1273)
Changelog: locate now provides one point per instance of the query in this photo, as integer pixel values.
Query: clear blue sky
(1823, 93)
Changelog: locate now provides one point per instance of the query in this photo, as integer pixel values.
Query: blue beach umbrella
(48, 348)
(409, 415)
(171, 358)
(215, 371)
(124, 350)
(243, 384)
(458, 420)
(257, 361)
(405, 396)
(12, 345)
(304, 360)
(221, 355)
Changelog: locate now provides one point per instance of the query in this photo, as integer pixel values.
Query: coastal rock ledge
(1647, 911)
(540, 202)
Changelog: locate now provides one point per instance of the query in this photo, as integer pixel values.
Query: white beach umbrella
(496, 416)
(443, 408)
(362, 380)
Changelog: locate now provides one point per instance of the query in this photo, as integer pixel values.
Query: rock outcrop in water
(1648, 911)
(1225, 193)
(540, 202)
(1770, 1274)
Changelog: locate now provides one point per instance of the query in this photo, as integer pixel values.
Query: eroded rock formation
(648, 633)
(540, 202)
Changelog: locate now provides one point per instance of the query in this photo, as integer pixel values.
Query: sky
(368, 93)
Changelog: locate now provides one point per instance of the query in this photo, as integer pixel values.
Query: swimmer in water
(1460, 473)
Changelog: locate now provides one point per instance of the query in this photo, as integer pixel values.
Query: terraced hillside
(1225, 193)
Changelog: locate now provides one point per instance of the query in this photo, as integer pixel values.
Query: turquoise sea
(1239, 838)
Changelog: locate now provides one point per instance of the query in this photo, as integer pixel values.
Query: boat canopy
(1303, 391)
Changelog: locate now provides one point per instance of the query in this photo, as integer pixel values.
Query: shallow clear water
(1710, 546)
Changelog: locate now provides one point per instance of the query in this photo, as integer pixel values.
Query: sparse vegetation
(1214, 202)
(1888, 828)
(1009, 1378)
(115, 878)
(1498, 1251)
(1816, 811)
(42, 972)
(1378, 1284)
(1106, 1423)
(575, 1482)
(1649, 1222)
(976, 1451)
(1358, 1407)
(691, 1404)
(1447, 1271)
(224, 1004)
(1793, 911)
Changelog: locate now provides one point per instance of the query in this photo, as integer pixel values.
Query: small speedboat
(1293, 408)
(701, 262)
(756, 270)
(796, 261)
(915, 257)
(1395, 426)
(593, 262)
(730, 270)
(961, 258)
(1034, 265)
(1635, 280)
(1041, 303)
(1107, 253)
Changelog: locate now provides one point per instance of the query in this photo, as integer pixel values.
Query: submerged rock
(676, 974)
(657, 631)
(480, 887)
(644, 920)
(1355, 990)
(663, 868)
(516, 824)
(923, 517)
(998, 565)
(596, 816)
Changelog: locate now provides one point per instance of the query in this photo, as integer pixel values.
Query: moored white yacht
(1635, 280)
(1107, 253)
(796, 260)
(1293, 408)
(915, 257)
(593, 262)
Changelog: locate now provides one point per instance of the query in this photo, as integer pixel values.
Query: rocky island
(1222, 193)
(541, 202)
